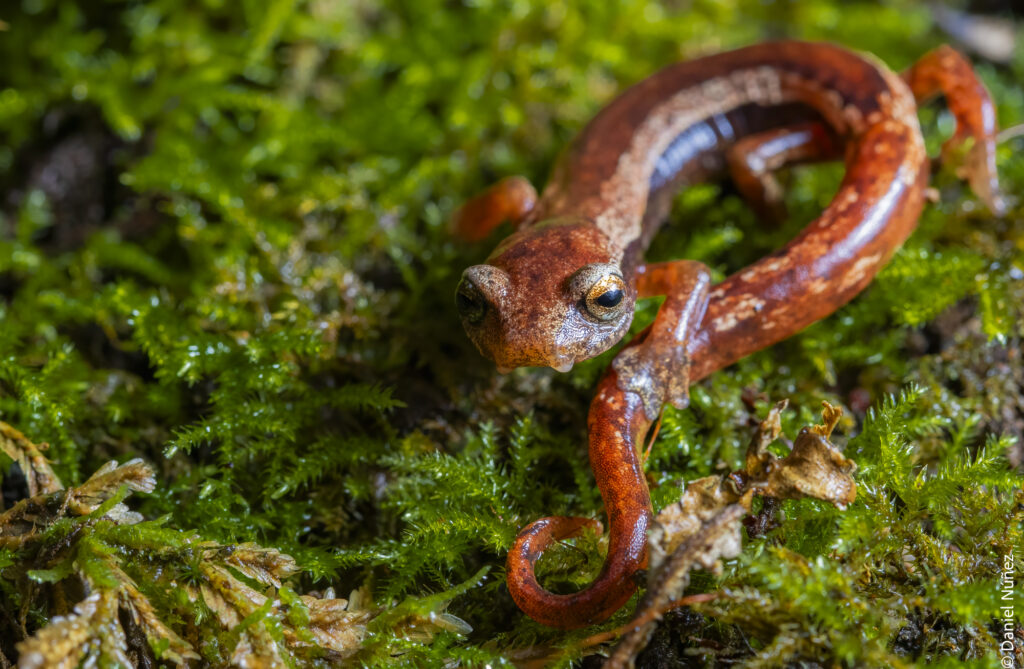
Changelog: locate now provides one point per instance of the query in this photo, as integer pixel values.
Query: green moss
(246, 281)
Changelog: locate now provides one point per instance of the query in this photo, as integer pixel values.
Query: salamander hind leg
(753, 161)
(944, 71)
(511, 199)
(658, 369)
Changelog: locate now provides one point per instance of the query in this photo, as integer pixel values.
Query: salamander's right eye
(604, 298)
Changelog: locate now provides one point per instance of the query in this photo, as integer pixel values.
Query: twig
(647, 616)
(672, 578)
(654, 435)
(1010, 133)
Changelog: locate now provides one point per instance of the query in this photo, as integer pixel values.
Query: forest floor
(224, 250)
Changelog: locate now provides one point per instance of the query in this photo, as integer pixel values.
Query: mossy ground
(223, 248)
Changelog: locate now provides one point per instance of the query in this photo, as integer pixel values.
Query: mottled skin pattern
(562, 287)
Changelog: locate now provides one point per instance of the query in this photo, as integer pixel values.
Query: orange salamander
(562, 287)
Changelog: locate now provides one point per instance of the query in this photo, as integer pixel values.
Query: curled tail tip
(594, 604)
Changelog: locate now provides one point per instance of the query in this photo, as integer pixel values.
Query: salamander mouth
(561, 354)
(558, 367)
(563, 366)
(560, 362)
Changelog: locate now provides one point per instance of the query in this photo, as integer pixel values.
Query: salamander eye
(604, 298)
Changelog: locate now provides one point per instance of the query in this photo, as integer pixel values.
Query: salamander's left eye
(604, 299)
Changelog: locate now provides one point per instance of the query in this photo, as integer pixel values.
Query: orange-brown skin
(562, 287)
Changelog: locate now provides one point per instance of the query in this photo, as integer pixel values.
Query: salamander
(563, 286)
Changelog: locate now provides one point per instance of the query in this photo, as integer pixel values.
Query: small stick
(650, 615)
(654, 435)
(674, 574)
(1010, 133)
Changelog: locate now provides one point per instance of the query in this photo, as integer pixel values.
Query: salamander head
(551, 295)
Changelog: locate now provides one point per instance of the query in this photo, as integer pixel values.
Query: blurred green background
(223, 248)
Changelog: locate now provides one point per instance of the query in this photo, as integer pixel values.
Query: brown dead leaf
(830, 417)
(231, 599)
(332, 624)
(702, 501)
(266, 565)
(91, 636)
(37, 470)
(816, 469)
(138, 605)
(256, 649)
(705, 546)
(104, 484)
(22, 521)
(759, 461)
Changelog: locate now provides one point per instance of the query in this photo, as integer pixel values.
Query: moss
(223, 249)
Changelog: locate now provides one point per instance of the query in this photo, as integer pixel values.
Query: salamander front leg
(511, 199)
(754, 159)
(945, 71)
(658, 369)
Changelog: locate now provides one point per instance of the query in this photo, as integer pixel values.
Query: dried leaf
(667, 583)
(816, 469)
(62, 643)
(127, 594)
(830, 416)
(177, 649)
(333, 625)
(268, 631)
(758, 460)
(702, 501)
(232, 601)
(22, 522)
(107, 481)
(91, 635)
(40, 477)
(227, 614)
(228, 591)
(257, 650)
(266, 565)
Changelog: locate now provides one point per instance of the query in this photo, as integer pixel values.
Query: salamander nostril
(470, 303)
